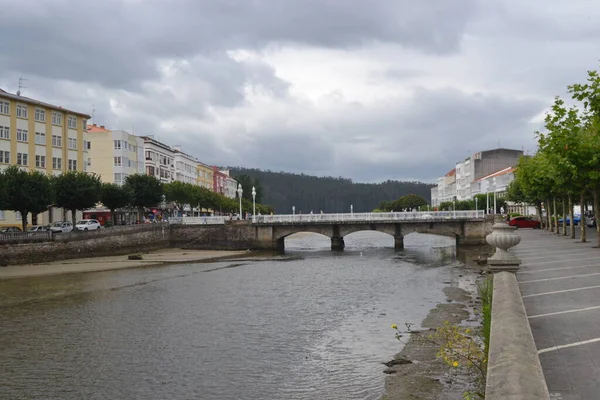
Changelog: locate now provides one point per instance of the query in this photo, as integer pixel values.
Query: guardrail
(370, 217)
(25, 236)
(198, 220)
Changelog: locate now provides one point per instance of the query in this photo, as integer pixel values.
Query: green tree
(114, 196)
(180, 193)
(409, 202)
(146, 191)
(27, 192)
(3, 191)
(77, 190)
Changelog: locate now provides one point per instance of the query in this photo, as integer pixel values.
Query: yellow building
(40, 136)
(205, 176)
(115, 154)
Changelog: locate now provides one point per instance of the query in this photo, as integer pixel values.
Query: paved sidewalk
(560, 285)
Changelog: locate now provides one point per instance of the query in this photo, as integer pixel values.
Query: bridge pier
(399, 242)
(337, 243)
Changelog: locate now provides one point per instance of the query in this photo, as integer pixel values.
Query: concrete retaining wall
(514, 370)
(105, 242)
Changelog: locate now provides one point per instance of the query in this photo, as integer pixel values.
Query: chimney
(102, 126)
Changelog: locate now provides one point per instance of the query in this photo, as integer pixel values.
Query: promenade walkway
(560, 285)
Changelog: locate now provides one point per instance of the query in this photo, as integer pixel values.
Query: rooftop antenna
(93, 113)
(21, 86)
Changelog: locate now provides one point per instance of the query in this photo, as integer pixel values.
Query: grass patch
(486, 290)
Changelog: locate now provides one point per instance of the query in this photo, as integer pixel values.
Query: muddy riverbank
(417, 372)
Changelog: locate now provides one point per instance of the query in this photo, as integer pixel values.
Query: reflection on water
(315, 327)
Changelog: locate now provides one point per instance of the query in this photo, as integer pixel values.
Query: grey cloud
(116, 43)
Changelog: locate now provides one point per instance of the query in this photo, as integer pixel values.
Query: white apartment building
(159, 160)
(494, 183)
(115, 154)
(186, 167)
(229, 185)
(445, 190)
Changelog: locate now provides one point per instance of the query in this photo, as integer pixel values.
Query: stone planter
(503, 237)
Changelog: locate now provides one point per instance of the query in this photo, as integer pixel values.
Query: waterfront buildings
(159, 160)
(115, 154)
(205, 176)
(488, 171)
(186, 167)
(40, 136)
(230, 185)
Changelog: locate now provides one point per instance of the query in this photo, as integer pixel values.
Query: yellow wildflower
(394, 326)
(468, 330)
(455, 364)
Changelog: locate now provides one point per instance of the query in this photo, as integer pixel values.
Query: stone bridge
(467, 228)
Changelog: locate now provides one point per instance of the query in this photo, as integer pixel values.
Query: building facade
(186, 167)
(230, 185)
(40, 136)
(465, 182)
(219, 181)
(205, 176)
(115, 154)
(159, 160)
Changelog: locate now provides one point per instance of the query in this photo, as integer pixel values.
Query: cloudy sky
(370, 90)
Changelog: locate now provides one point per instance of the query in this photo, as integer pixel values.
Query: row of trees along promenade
(566, 167)
(33, 192)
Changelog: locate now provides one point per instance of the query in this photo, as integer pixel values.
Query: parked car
(61, 226)
(524, 222)
(88, 225)
(10, 229)
(590, 219)
(576, 220)
(37, 228)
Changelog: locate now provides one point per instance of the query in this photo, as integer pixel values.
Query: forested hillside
(283, 190)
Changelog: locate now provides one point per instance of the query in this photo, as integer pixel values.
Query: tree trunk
(74, 217)
(597, 214)
(538, 209)
(24, 220)
(112, 217)
(564, 213)
(140, 214)
(548, 215)
(34, 218)
(582, 226)
(572, 231)
(555, 216)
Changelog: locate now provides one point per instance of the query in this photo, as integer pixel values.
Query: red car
(524, 222)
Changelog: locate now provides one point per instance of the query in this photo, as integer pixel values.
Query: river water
(313, 326)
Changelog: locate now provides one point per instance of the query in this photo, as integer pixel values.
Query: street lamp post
(454, 208)
(293, 210)
(476, 207)
(494, 202)
(239, 192)
(351, 209)
(253, 202)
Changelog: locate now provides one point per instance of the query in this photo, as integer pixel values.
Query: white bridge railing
(198, 220)
(368, 217)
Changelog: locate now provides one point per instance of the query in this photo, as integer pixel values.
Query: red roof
(451, 173)
(96, 128)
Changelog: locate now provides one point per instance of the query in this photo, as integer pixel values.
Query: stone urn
(503, 237)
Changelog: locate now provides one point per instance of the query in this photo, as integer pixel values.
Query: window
(150, 155)
(150, 171)
(21, 111)
(18, 216)
(72, 165)
(119, 178)
(56, 141)
(22, 135)
(56, 163)
(40, 115)
(4, 157)
(117, 144)
(40, 161)
(86, 145)
(118, 162)
(56, 118)
(4, 132)
(84, 124)
(40, 138)
(4, 107)
(72, 143)
(2, 216)
(72, 122)
(21, 158)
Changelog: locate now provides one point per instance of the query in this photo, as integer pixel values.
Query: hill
(282, 190)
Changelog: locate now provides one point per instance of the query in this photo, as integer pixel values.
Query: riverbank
(98, 264)
(419, 374)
